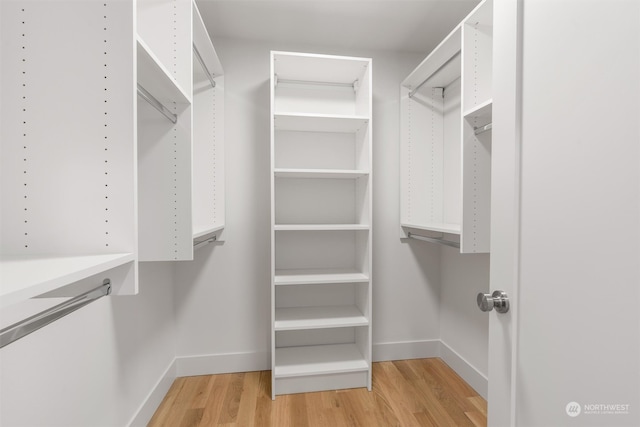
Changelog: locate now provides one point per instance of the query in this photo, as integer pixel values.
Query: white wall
(222, 298)
(96, 366)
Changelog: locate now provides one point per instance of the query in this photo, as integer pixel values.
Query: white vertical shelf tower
(95, 179)
(446, 138)
(320, 222)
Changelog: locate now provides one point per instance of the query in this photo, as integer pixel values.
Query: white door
(566, 214)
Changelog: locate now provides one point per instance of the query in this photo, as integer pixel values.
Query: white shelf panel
(319, 122)
(320, 173)
(318, 277)
(205, 231)
(482, 113)
(156, 79)
(318, 360)
(321, 227)
(321, 68)
(296, 318)
(442, 66)
(26, 277)
(439, 227)
(202, 42)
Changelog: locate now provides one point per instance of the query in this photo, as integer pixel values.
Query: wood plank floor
(421, 392)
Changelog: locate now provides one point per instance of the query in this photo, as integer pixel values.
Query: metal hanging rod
(144, 94)
(204, 66)
(415, 89)
(434, 240)
(483, 129)
(33, 323)
(355, 85)
(200, 243)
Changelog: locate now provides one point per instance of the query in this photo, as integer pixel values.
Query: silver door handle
(498, 300)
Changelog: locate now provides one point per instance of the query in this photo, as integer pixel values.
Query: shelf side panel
(452, 156)
(477, 48)
(164, 182)
(68, 156)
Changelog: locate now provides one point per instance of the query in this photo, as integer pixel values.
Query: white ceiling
(400, 25)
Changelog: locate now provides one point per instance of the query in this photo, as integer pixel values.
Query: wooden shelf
(321, 227)
(318, 360)
(318, 277)
(296, 318)
(156, 79)
(441, 227)
(27, 277)
(320, 173)
(319, 122)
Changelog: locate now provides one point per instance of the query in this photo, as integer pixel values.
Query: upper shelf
(442, 66)
(156, 79)
(202, 42)
(319, 68)
(27, 277)
(320, 173)
(320, 227)
(319, 122)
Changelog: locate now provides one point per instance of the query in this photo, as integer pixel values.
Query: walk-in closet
(319, 213)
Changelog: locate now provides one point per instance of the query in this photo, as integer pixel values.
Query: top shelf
(442, 66)
(319, 122)
(202, 42)
(319, 68)
(27, 277)
(156, 79)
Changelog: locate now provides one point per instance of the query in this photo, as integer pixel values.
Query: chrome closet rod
(434, 240)
(483, 129)
(33, 323)
(413, 92)
(144, 94)
(200, 243)
(353, 85)
(204, 67)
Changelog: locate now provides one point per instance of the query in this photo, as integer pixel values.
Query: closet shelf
(205, 231)
(296, 318)
(320, 173)
(29, 276)
(318, 277)
(156, 79)
(321, 227)
(319, 122)
(202, 42)
(438, 227)
(482, 113)
(318, 360)
(441, 67)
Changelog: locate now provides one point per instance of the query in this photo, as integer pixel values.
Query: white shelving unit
(321, 216)
(95, 179)
(446, 138)
(67, 165)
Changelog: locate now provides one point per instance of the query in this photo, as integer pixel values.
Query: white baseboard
(208, 364)
(154, 398)
(462, 367)
(405, 350)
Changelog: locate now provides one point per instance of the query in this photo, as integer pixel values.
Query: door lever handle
(498, 300)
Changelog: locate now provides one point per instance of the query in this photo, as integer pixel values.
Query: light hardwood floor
(421, 392)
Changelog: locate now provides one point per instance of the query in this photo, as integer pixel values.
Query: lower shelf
(318, 360)
(320, 367)
(25, 277)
